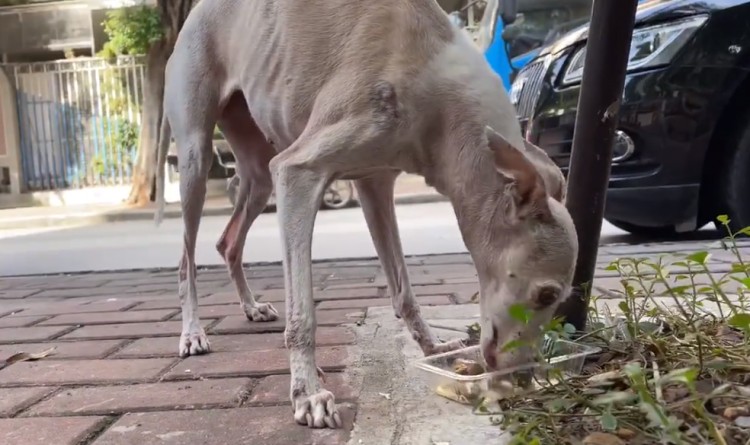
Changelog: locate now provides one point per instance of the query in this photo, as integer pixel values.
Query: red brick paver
(238, 324)
(78, 307)
(40, 431)
(17, 322)
(13, 400)
(109, 318)
(166, 346)
(115, 377)
(256, 425)
(274, 389)
(145, 397)
(78, 349)
(72, 372)
(14, 335)
(253, 363)
(431, 300)
(127, 330)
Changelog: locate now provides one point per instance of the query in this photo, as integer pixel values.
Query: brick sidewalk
(116, 379)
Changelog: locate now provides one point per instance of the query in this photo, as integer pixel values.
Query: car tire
(734, 184)
(644, 231)
(338, 195)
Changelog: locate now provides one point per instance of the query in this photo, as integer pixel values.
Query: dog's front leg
(376, 198)
(299, 191)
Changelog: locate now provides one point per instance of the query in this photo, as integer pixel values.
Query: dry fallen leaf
(467, 367)
(624, 433)
(729, 336)
(606, 377)
(26, 357)
(734, 412)
(602, 439)
(675, 393)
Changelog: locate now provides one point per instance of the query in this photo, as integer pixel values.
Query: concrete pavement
(409, 189)
(426, 229)
(116, 379)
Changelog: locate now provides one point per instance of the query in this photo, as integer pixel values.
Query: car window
(542, 21)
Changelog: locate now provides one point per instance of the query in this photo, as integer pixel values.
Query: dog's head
(526, 266)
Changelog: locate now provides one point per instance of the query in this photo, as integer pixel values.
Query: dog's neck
(455, 157)
(463, 169)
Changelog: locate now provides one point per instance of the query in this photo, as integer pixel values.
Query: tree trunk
(173, 14)
(151, 114)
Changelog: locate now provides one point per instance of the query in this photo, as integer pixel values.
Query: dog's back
(282, 54)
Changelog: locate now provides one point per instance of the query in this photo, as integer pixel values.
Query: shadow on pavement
(708, 234)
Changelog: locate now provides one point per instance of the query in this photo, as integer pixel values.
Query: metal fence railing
(78, 121)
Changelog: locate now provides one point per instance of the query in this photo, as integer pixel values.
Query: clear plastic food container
(561, 358)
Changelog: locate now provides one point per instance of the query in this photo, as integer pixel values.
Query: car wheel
(734, 184)
(338, 195)
(232, 186)
(644, 231)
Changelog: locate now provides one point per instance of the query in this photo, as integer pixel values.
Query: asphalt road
(425, 229)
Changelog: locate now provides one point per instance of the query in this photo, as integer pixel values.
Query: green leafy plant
(13, 2)
(116, 126)
(131, 31)
(674, 366)
(120, 145)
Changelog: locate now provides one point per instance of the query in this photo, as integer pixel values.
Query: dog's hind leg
(252, 154)
(376, 197)
(191, 114)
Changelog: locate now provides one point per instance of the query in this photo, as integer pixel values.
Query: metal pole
(610, 32)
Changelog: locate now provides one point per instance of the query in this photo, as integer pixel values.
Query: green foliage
(519, 312)
(217, 133)
(13, 2)
(673, 364)
(120, 142)
(131, 31)
(118, 125)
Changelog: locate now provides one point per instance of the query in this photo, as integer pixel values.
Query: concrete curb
(101, 217)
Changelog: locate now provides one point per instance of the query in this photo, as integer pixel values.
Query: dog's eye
(546, 296)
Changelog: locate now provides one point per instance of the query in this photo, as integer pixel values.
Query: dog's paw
(194, 342)
(261, 312)
(317, 411)
(439, 348)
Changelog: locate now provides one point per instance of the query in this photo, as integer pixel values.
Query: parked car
(338, 195)
(682, 150)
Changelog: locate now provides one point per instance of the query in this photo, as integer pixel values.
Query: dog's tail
(165, 134)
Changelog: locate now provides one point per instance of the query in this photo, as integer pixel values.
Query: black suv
(682, 150)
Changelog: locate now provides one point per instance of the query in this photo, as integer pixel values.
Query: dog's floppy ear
(554, 180)
(526, 185)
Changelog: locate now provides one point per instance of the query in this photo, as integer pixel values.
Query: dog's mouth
(497, 356)
(490, 352)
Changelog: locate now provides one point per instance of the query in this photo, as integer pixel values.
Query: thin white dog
(360, 90)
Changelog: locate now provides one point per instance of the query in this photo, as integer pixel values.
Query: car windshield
(538, 22)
